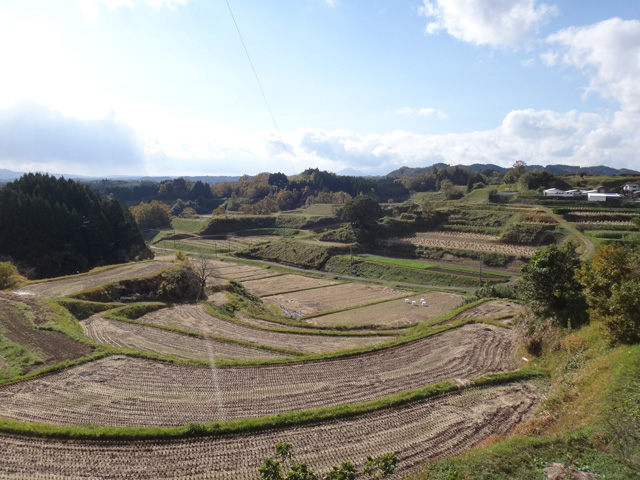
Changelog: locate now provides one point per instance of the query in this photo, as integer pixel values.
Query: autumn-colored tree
(612, 285)
(152, 215)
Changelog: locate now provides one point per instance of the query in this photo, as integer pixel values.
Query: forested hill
(51, 226)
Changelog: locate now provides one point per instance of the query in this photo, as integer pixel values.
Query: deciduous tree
(549, 285)
(612, 285)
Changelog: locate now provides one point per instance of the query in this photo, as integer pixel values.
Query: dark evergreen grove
(51, 226)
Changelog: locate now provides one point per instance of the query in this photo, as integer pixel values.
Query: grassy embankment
(590, 419)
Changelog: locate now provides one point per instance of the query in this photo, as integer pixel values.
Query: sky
(232, 87)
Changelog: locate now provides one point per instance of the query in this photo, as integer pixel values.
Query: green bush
(8, 275)
(181, 284)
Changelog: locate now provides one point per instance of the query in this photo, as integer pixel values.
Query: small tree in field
(272, 469)
(203, 269)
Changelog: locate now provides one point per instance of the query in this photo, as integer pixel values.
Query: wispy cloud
(497, 23)
(425, 112)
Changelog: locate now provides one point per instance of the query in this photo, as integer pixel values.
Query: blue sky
(164, 87)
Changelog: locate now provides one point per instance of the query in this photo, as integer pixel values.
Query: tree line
(53, 226)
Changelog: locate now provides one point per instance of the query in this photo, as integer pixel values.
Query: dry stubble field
(418, 432)
(67, 286)
(491, 309)
(156, 340)
(194, 318)
(284, 283)
(465, 242)
(123, 391)
(393, 313)
(334, 297)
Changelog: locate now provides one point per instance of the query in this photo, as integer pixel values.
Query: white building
(556, 192)
(631, 187)
(602, 197)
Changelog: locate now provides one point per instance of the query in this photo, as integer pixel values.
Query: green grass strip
(270, 422)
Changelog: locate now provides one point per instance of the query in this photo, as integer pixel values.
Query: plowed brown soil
(421, 431)
(18, 319)
(194, 318)
(124, 391)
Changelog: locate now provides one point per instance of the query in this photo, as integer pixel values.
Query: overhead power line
(264, 96)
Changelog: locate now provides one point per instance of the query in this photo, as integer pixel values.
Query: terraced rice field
(194, 318)
(393, 313)
(418, 432)
(335, 297)
(284, 283)
(233, 271)
(77, 283)
(125, 391)
(465, 242)
(155, 340)
(491, 309)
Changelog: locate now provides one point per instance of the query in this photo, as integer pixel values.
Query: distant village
(598, 194)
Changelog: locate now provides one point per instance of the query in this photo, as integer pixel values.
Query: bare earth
(155, 340)
(433, 428)
(194, 318)
(394, 312)
(334, 297)
(67, 286)
(284, 283)
(125, 391)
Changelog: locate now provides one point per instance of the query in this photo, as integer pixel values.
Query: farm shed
(602, 197)
(556, 192)
(631, 187)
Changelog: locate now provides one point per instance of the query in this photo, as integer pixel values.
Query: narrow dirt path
(587, 248)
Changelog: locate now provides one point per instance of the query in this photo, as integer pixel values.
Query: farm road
(125, 391)
(587, 246)
(418, 432)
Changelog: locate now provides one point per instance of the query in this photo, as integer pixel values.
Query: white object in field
(406, 300)
(422, 300)
(414, 303)
(525, 359)
(424, 304)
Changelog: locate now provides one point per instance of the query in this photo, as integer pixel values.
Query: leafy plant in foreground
(272, 469)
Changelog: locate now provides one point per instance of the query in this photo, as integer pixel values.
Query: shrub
(8, 275)
(181, 284)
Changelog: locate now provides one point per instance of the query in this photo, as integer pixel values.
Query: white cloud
(498, 23)
(164, 144)
(425, 112)
(537, 137)
(609, 54)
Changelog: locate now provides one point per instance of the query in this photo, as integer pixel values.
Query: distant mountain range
(477, 167)
(9, 175)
